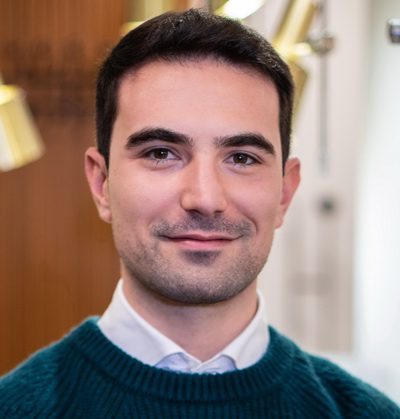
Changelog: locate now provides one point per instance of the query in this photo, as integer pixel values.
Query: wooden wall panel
(57, 260)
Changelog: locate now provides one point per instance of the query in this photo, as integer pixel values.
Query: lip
(198, 241)
(201, 237)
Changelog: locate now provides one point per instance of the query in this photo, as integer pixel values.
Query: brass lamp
(292, 40)
(138, 11)
(236, 9)
(291, 35)
(20, 142)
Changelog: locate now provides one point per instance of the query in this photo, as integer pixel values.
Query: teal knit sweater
(85, 376)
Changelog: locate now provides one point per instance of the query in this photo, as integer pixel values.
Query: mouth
(199, 241)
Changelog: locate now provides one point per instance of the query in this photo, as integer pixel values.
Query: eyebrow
(247, 139)
(153, 134)
(166, 135)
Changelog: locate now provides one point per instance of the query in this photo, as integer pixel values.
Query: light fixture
(20, 142)
(138, 11)
(294, 27)
(293, 41)
(236, 9)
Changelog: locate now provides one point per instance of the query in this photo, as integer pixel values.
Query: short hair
(190, 35)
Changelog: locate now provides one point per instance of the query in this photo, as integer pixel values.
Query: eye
(160, 154)
(242, 159)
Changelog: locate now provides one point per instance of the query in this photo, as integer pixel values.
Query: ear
(291, 180)
(96, 175)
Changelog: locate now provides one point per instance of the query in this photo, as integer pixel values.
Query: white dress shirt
(125, 328)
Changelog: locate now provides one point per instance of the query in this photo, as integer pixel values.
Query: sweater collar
(87, 344)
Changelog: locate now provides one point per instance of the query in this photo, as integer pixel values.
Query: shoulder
(355, 397)
(31, 389)
(314, 381)
(30, 385)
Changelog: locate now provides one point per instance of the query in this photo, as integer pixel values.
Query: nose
(203, 189)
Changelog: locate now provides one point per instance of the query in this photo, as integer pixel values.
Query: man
(192, 170)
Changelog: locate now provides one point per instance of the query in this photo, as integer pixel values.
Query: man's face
(194, 189)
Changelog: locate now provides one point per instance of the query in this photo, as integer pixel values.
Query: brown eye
(241, 158)
(160, 153)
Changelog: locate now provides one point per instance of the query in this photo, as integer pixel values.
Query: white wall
(377, 268)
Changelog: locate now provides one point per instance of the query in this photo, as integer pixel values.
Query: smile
(197, 241)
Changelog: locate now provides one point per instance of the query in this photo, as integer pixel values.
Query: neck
(201, 330)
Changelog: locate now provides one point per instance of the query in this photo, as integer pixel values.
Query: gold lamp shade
(138, 11)
(236, 9)
(20, 142)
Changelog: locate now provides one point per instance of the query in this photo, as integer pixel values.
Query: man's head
(189, 170)
(190, 36)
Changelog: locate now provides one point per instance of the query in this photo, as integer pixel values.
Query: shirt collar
(125, 328)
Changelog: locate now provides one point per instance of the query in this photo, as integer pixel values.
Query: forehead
(207, 71)
(198, 98)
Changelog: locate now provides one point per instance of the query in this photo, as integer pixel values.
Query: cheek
(137, 200)
(259, 203)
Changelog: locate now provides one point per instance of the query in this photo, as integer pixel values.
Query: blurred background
(332, 282)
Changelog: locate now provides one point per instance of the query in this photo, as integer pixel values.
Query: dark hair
(192, 34)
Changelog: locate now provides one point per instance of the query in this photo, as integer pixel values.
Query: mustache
(198, 222)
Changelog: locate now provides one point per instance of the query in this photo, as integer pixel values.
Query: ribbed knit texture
(86, 376)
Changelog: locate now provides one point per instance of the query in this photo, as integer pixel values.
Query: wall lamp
(20, 142)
